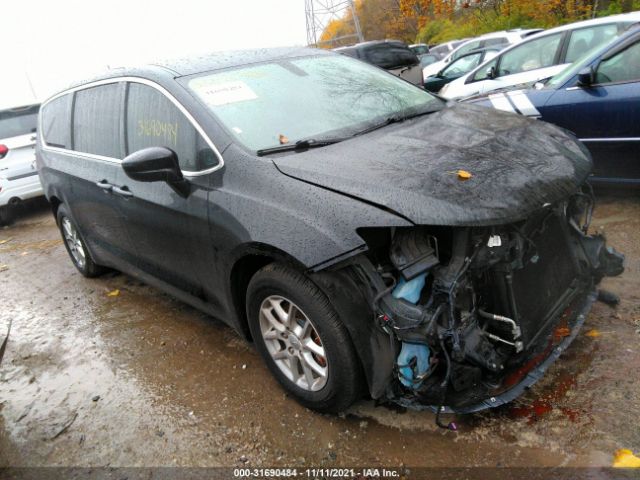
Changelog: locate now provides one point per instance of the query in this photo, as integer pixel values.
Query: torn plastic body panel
(470, 315)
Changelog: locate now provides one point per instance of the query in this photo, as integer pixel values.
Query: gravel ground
(140, 379)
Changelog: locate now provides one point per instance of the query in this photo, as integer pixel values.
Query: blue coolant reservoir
(410, 375)
(413, 361)
(410, 291)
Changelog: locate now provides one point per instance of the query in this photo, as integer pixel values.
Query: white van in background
(19, 179)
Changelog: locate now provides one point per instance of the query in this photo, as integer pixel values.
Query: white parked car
(18, 175)
(444, 49)
(539, 57)
(503, 38)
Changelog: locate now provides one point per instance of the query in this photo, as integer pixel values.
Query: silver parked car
(18, 175)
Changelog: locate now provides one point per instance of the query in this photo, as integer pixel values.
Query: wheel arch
(375, 352)
(248, 261)
(55, 203)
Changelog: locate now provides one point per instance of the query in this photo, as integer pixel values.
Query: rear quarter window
(96, 120)
(390, 56)
(440, 49)
(19, 121)
(56, 122)
(420, 49)
(466, 49)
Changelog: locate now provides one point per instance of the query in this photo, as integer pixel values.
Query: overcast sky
(57, 41)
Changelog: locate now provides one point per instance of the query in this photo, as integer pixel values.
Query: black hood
(517, 165)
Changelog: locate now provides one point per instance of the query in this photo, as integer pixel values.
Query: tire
(317, 330)
(76, 246)
(7, 215)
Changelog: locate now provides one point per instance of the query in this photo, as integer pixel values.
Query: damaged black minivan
(367, 236)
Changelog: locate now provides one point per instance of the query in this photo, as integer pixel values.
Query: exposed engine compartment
(470, 311)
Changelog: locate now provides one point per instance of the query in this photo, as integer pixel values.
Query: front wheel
(302, 340)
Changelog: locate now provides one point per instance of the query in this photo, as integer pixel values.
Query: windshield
(462, 65)
(18, 121)
(320, 97)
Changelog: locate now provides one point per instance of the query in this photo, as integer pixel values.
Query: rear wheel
(75, 245)
(7, 215)
(302, 340)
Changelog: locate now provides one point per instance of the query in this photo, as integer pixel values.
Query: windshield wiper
(393, 119)
(299, 145)
(313, 143)
(377, 126)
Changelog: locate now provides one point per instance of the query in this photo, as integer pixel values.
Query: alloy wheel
(294, 343)
(74, 243)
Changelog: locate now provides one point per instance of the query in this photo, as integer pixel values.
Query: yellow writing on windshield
(159, 129)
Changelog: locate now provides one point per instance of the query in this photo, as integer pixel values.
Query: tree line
(436, 21)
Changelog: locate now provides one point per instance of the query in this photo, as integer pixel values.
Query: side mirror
(156, 164)
(153, 164)
(585, 77)
(492, 72)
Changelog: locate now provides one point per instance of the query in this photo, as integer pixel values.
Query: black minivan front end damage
(473, 315)
(364, 227)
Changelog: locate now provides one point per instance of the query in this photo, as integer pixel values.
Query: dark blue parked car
(598, 99)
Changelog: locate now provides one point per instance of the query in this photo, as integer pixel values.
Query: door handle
(106, 186)
(123, 191)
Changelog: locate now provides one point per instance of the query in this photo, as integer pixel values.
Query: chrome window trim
(143, 81)
(610, 139)
(92, 156)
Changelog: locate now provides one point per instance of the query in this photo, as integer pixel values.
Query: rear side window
(154, 121)
(420, 49)
(56, 122)
(96, 120)
(18, 121)
(440, 49)
(391, 56)
(532, 55)
(586, 39)
(466, 49)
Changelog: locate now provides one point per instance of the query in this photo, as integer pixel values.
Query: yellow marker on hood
(463, 174)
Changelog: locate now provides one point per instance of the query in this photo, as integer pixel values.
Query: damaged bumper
(467, 318)
(527, 377)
